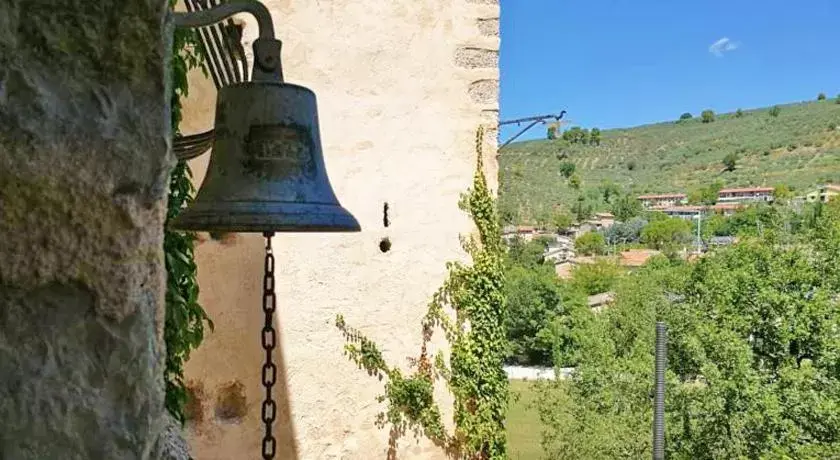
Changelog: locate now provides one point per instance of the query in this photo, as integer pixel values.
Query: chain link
(269, 370)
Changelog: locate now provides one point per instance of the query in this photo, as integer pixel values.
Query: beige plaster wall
(402, 87)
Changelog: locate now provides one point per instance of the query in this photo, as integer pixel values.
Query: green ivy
(477, 339)
(184, 324)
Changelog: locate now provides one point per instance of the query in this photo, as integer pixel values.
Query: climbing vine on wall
(184, 324)
(477, 340)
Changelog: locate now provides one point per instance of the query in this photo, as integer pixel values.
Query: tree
(782, 193)
(604, 411)
(528, 254)
(590, 243)
(533, 301)
(629, 231)
(576, 135)
(821, 97)
(729, 161)
(595, 136)
(705, 195)
(552, 132)
(626, 207)
(561, 221)
(595, 278)
(581, 209)
(775, 111)
(707, 116)
(609, 190)
(667, 234)
(685, 116)
(631, 165)
(739, 113)
(755, 344)
(837, 100)
(575, 181)
(567, 168)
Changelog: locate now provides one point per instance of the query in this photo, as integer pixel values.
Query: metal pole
(659, 394)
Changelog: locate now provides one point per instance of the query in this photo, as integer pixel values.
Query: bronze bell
(266, 171)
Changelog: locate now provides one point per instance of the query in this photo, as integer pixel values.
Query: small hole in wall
(386, 221)
(385, 244)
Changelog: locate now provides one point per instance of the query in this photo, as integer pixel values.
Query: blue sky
(621, 63)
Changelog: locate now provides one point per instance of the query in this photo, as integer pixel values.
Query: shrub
(739, 113)
(688, 116)
(590, 243)
(775, 111)
(729, 161)
(707, 116)
(631, 165)
(832, 126)
(567, 168)
(821, 97)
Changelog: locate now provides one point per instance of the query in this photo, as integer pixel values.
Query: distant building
(824, 193)
(745, 195)
(726, 209)
(561, 250)
(722, 241)
(525, 232)
(683, 212)
(600, 301)
(662, 200)
(601, 221)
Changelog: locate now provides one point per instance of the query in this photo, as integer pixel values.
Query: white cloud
(723, 45)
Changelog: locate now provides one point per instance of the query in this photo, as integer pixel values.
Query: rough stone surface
(484, 91)
(84, 139)
(474, 58)
(489, 27)
(398, 125)
(171, 443)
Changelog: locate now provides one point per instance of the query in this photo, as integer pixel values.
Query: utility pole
(699, 218)
(661, 360)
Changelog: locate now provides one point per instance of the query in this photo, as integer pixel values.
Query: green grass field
(523, 423)
(800, 148)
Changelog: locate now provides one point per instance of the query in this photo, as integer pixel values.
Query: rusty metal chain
(269, 340)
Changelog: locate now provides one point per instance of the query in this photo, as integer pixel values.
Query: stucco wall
(402, 87)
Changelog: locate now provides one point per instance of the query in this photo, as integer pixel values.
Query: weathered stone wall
(84, 135)
(402, 86)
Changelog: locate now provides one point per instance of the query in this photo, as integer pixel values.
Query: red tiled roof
(663, 196)
(636, 257)
(746, 190)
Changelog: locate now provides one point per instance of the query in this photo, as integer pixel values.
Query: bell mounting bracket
(267, 65)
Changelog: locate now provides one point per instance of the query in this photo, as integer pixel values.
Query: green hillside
(800, 148)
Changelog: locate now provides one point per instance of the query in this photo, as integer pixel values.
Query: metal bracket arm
(267, 65)
(225, 10)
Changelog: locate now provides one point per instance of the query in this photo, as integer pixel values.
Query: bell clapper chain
(269, 341)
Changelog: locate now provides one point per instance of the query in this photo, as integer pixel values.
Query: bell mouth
(265, 217)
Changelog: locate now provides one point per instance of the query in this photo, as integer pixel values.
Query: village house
(726, 209)
(824, 193)
(524, 232)
(662, 200)
(684, 212)
(745, 195)
(602, 220)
